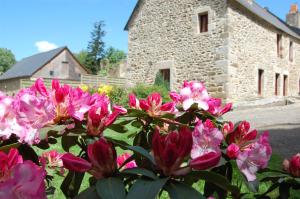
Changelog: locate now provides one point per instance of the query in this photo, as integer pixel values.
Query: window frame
(260, 82)
(203, 20)
(51, 73)
(279, 45)
(291, 51)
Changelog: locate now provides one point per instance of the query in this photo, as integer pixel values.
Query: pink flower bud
(233, 151)
(286, 165)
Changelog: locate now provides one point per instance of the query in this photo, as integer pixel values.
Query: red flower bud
(103, 157)
(233, 151)
(295, 166)
(170, 150)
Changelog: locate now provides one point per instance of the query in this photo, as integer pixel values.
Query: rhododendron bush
(174, 146)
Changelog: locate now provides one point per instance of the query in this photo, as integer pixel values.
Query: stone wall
(64, 67)
(253, 46)
(164, 34)
(10, 86)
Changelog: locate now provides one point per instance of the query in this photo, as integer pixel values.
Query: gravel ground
(283, 123)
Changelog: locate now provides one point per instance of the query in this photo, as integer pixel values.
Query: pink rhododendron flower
(102, 156)
(170, 150)
(256, 156)
(100, 116)
(215, 107)
(242, 135)
(33, 110)
(227, 128)
(122, 158)
(153, 105)
(53, 160)
(293, 165)
(133, 101)
(25, 181)
(79, 103)
(192, 93)
(7, 162)
(206, 145)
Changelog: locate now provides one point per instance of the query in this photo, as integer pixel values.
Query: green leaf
(28, 153)
(89, 193)
(179, 190)
(146, 189)
(216, 179)
(142, 151)
(111, 188)
(141, 171)
(53, 129)
(71, 184)
(10, 146)
(118, 128)
(68, 142)
(253, 186)
(136, 113)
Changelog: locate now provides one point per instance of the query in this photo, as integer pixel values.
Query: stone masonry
(165, 35)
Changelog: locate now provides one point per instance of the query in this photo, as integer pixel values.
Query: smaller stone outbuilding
(59, 63)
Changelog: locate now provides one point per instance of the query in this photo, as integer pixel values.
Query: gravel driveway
(283, 123)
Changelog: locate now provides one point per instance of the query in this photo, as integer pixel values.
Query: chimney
(293, 17)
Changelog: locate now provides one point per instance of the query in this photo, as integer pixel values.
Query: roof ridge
(45, 52)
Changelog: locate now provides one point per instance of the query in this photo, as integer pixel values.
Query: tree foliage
(96, 47)
(7, 59)
(82, 56)
(114, 56)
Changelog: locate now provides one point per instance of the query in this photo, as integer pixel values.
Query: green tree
(7, 59)
(96, 48)
(114, 55)
(82, 56)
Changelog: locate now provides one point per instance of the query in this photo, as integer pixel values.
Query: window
(285, 85)
(260, 81)
(291, 51)
(65, 62)
(277, 79)
(165, 73)
(299, 86)
(279, 46)
(51, 73)
(203, 22)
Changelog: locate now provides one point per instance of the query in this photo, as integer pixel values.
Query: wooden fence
(90, 80)
(25, 83)
(96, 80)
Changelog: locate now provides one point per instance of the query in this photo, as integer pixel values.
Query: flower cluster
(292, 166)
(37, 107)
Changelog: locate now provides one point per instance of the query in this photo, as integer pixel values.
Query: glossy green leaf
(118, 128)
(179, 190)
(141, 171)
(141, 151)
(89, 193)
(216, 179)
(53, 129)
(10, 146)
(111, 188)
(71, 184)
(146, 189)
(68, 142)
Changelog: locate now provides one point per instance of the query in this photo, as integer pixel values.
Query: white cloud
(44, 46)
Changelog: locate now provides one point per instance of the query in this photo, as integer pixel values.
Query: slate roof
(255, 9)
(29, 65)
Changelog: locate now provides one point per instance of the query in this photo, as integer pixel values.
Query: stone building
(240, 50)
(59, 63)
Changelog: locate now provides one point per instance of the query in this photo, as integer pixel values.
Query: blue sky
(24, 23)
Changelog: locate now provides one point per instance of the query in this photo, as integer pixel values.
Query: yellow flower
(106, 89)
(84, 87)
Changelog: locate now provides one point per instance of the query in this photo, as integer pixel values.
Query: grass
(275, 163)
